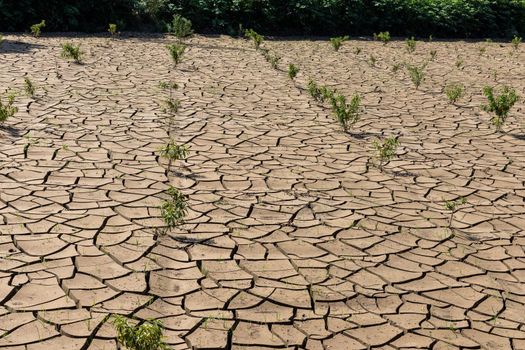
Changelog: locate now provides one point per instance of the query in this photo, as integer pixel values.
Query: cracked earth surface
(294, 239)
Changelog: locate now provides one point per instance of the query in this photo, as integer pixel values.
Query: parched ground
(294, 239)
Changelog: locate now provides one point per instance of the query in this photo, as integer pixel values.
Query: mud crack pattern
(294, 239)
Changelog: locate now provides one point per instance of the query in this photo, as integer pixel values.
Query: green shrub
(181, 27)
(256, 37)
(516, 41)
(338, 41)
(176, 52)
(173, 152)
(272, 59)
(112, 29)
(417, 74)
(7, 110)
(292, 71)
(385, 150)
(454, 92)
(347, 114)
(69, 51)
(36, 29)
(382, 36)
(173, 210)
(147, 336)
(29, 87)
(410, 44)
(500, 104)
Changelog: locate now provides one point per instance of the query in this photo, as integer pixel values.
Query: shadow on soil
(10, 46)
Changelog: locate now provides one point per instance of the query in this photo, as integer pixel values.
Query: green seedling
(417, 74)
(433, 54)
(383, 37)
(430, 38)
(112, 29)
(396, 67)
(256, 37)
(459, 63)
(146, 336)
(36, 29)
(272, 59)
(516, 41)
(173, 152)
(7, 110)
(347, 114)
(385, 150)
(454, 92)
(452, 206)
(500, 104)
(372, 60)
(410, 44)
(292, 71)
(176, 52)
(357, 50)
(174, 209)
(181, 27)
(168, 85)
(338, 41)
(70, 51)
(29, 87)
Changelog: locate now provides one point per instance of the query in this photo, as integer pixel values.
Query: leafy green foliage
(382, 36)
(272, 59)
(516, 41)
(173, 152)
(7, 110)
(417, 74)
(174, 209)
(386, 150)
(500, 104)
(112, 29)
(176, 52)
(70, 51)
(29, 87)
(452, 207)
(338, 41)
(146, 336)
(410, 44)
(36, 29)
(292, 71)
(255, 37)
(181, 27)
(454, 92)
(347, 114)
(168, 85)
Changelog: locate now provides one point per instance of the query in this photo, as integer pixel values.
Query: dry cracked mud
(294, 239)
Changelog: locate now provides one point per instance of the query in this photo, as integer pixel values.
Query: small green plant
(29, 87)
(396, 67)
(36, 29)
(173, 152)
(452, 207)
(256, 37)
(482, 50)
(500, 104)
(382, 36)
(454, 92)
(314, 90)
(433, 54)
(357, 50)
(70, 51)
(417, 74)
(326, 93)
(516, 41)
(386, 150)
(168, 85)
(112, 29)
(176, 52)
(410, 44)
(338, 41)
(174, 209)
(430, 38)
(372, 60)
(292, 71)
(146, 336)
(272, 59)
(181, 27)
(459, 63)
(7, 110)
(347, 114)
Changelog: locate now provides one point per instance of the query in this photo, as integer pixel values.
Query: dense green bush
(442, 18)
